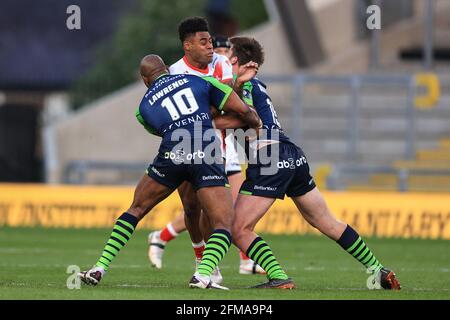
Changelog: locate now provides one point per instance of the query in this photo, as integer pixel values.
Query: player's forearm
(238, 87)
(228, 82)
(229, 121)
(251, 118)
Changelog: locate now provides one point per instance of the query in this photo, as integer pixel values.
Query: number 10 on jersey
(185, 103)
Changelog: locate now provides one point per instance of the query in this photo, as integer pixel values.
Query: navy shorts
(292, 176)
(171, 174)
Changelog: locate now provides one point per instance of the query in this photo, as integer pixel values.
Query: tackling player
(232, 166)
(200, 60)
(259, 192)
(172, 102)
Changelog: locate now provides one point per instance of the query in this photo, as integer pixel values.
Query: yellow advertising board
(407, 215)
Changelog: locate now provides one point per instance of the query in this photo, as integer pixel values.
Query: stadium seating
(433, 165)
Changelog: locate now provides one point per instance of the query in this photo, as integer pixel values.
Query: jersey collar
(164, 74)
(204, 71)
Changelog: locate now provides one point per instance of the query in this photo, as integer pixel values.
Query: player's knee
(220, 220)
(313, 218)
(222, 223)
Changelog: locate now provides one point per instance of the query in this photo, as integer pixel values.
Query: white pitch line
(126, 285)
(403, 289)
(18, 284)
(13, 250)
(21, 250)
(35, 265)
(430, 289)
(314, 268)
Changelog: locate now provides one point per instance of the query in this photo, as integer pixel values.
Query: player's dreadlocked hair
(190, 26)
(247, 49)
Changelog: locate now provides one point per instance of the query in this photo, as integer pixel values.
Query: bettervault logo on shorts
(162, 175)
(212, 177)
(265, 188)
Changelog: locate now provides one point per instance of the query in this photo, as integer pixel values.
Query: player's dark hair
(190, 26)
(247, 49)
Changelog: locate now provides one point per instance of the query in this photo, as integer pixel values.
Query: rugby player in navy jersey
(292, 178)
(200, 59)
(177, 108)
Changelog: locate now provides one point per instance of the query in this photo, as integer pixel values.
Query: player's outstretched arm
(245, 112)
(226, 121)
(225, 99)
(229, 121)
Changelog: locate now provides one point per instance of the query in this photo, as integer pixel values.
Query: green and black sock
(260, 252)
(216, 248)
(353, 244)
(121, 233)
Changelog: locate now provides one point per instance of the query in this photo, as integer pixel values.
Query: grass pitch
(34, 262)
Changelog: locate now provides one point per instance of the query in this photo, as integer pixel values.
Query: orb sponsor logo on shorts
(290, 163)
(265, 188)
(213, 177)
(181, 156)
(207, 140)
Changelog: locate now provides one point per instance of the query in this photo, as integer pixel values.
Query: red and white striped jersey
(220, 68)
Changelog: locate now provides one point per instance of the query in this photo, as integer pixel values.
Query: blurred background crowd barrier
(399, 215)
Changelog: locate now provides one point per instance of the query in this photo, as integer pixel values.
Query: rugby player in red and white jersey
(219, 67)
(200, 60)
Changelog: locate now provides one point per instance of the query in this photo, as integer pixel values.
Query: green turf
(33, 264)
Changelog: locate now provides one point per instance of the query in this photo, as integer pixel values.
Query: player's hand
(214, 112)
(247, 72)
(255, 131)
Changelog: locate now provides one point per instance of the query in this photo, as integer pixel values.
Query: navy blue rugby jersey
(179, 102)
(255, 94)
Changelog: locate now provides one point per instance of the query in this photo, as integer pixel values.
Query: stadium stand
(340, 116)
